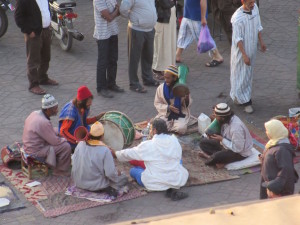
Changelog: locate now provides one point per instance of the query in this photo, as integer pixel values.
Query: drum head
(180, 90)
(113, 136)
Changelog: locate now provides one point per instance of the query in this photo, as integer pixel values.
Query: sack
(293, 125)
(206, 42)
(11, 154)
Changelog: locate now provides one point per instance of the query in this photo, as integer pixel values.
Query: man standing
(194, 17)
(222, 12)
(42, 142)
(106, 33)
(246, 33)
(142, 19)
(33, 17)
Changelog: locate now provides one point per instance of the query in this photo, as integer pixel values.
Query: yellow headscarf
(276, 131)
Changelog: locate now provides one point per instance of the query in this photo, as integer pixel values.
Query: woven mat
(50, 198)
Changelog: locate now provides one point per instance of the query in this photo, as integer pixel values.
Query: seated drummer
(234, 143)
(75, 113)
(162, 159)
(93, 166)
(174, 110)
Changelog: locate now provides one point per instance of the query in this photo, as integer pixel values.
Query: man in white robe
(246, 33)
(174, 110)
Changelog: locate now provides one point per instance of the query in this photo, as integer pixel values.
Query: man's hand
(173, 109)
(246, 60)
(216, 137)
(263, 47)
(32, 35)
(113, 152)
(98, 117)
(203, 21)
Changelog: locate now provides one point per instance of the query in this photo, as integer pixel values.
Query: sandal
(37, 90)
(213, 63)
(178, 195)
(139, 89)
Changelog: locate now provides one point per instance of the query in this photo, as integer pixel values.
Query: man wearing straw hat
(234, 143)
(93, 166)
(42, 142)
(174, 110)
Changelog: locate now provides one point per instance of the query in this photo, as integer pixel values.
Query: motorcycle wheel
(66, 41)
(3, 22)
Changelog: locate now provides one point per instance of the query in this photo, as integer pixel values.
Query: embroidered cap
(173, 70)
(222, 109)
(83, 93)
(97, 129)
(48, 101)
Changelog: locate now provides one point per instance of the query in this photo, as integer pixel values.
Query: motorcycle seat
(63, 4)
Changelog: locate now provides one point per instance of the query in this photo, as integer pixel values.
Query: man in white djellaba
(246, 33)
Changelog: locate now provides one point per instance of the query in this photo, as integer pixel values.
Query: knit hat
(83, 93)
(97, 129)
(222, 109)
(173, 70)
(48, 101)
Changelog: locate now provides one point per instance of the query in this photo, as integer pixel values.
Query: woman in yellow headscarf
(278, 173)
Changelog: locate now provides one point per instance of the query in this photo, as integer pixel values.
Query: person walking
(246, 33)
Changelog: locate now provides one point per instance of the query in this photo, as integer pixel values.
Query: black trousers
(219, 155)
(107, 62)
(38, 51)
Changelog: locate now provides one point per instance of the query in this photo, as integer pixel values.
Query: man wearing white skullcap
(232, 143)
(41, 140)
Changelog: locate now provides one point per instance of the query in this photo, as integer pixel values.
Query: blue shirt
(192, 10)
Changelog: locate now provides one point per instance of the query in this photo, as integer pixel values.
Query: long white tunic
(245, 28)
(161, 156)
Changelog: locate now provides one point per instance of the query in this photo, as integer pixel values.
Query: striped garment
(103, 29)
(245, 28)
(188, 32)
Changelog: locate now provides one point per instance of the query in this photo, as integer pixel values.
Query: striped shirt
(245, 28)
(104, 29)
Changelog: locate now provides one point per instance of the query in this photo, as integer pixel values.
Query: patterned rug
(50, 197)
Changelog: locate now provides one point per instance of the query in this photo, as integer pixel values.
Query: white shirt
(161, 156)
(44, 8)
(104, 29)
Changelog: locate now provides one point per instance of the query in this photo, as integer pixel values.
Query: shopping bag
(206, 42)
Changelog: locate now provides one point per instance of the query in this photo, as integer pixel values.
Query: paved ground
(274, 93)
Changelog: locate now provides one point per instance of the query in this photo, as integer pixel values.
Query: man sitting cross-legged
(93, 166)
(162, 158)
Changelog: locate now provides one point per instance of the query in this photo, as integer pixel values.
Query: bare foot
(203, 155)
(220, 166)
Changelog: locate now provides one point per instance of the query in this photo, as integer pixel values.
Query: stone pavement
(274, 93)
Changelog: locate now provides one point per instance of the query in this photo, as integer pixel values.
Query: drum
(81, 133)
(119, 131)
(213, 128)
(180, 89)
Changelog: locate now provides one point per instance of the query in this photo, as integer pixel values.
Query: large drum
(119, 131)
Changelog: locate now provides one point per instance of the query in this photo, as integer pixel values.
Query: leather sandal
(37, 90)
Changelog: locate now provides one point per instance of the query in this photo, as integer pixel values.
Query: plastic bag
(206, 42)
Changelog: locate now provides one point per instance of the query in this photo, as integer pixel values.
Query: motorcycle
(4, 6)
(62, 17)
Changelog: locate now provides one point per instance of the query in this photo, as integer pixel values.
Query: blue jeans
(136, 173)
